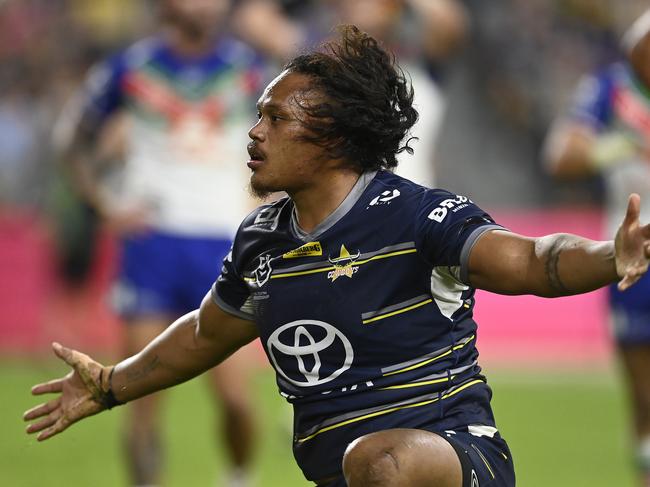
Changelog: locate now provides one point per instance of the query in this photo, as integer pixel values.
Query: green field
(565, 430)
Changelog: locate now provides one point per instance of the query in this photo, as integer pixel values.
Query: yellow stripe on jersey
(281, 275)
(432, 359)
(384, 256)
(389, 410)
(396, 312)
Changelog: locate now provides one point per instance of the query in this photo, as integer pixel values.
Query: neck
(313, 205)
(189, 46)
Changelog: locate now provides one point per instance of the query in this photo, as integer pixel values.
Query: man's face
(640, 59)
(279, 158)
(196, 17)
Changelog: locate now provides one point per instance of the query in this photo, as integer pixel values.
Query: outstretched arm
(561, 264)
(193, 344)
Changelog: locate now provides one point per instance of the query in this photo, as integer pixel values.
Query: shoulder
(237, 53)
(388, 186)
(136, 55)
(267, 218)
(388, 189)
(599, 83)
(412, 201)
(143, 52)
(261, 228)
(132, 57)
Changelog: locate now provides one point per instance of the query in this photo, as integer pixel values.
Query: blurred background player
(423, 34)
(182, 102)
(607, 132)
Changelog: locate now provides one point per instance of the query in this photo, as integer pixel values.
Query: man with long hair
(360, 285)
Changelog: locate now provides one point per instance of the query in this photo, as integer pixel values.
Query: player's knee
(401, 457)
(368, 461)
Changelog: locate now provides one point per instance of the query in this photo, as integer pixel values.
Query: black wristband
(109, 401)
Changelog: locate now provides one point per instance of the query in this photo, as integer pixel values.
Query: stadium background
(558, 397)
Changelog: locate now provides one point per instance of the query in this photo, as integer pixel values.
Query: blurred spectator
(22, 127)
(519, 66)
(606, 132)
(179, 103)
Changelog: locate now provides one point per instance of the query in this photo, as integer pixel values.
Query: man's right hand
(82, 393)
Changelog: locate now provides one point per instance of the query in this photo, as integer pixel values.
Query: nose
(256, 132)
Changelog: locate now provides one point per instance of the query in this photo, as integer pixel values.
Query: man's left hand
(632, 245)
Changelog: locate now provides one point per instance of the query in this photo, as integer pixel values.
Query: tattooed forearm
(141, 372)
(551, 265)
(585, 265)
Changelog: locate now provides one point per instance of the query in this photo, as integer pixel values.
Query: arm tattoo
(551, 266)
(135, 375)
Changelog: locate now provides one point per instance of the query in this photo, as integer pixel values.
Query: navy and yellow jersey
(368, 319)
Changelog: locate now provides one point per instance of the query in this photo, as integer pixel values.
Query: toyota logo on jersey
(309, 352)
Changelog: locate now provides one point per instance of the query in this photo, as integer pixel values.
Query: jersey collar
(345, 206)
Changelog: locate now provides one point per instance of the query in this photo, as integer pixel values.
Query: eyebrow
(269, 106)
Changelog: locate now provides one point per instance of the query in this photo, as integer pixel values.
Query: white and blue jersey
(185, 162)
(367, 320)
(614, 100)
(189, 118)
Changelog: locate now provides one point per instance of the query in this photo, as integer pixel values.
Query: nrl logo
(263, 271)
(343, 264)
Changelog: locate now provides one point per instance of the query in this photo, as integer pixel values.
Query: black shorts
(485, 460)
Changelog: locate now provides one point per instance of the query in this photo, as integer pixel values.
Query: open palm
(632, 245)
(80, 395)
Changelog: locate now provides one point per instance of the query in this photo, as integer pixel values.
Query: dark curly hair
(368, 107)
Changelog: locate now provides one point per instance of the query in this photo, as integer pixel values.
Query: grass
(565, 430)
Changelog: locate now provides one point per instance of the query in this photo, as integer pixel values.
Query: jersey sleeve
(591, 103)
(447, 227)
(102, 93)
(230, 291)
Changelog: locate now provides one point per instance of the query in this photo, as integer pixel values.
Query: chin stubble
(258, 192)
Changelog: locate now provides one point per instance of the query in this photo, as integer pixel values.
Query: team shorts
(631, 313)
(485, 460)
(164, 274)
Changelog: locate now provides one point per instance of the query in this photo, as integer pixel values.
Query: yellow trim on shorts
(480, 454)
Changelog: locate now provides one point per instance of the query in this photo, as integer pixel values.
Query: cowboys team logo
(298, 350)
(343, 264)
(263, 271)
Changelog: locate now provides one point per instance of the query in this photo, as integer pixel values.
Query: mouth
(257, 156)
